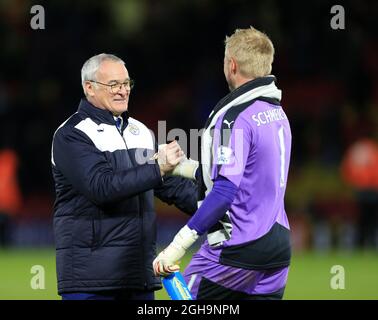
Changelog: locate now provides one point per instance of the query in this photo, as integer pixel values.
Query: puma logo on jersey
(228, 123)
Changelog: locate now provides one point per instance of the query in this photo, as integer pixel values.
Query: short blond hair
(252, 50)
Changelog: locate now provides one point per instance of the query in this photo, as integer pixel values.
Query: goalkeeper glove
(186, 168)
(166, 262)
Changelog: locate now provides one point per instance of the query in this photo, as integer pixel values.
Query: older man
(106, 173)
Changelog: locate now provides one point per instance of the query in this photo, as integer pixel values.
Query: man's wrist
(186, 169)
(185, 238)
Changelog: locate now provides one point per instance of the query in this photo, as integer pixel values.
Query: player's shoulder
(237, 116)
(253, 113)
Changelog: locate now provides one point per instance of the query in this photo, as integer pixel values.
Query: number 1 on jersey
(282, 156)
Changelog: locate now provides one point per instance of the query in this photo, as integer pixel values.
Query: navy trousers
(110, 295)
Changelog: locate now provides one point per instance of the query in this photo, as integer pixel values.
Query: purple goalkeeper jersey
(251, 148)
(247, 140)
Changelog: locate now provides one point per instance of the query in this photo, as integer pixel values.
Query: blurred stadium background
(174, 51)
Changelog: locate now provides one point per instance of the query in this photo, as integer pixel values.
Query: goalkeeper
(247, 251)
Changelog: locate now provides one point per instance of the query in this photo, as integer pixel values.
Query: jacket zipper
(140, 214)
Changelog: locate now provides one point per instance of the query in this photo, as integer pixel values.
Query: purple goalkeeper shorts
(210, 280)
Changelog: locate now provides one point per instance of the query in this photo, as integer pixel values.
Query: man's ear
(233, 65)
(89, 88)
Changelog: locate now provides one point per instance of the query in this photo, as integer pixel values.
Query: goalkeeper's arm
(212, 209)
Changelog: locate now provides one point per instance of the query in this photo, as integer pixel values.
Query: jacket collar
(100, 115)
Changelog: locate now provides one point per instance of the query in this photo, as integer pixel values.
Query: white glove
(166, 262)
(186, 168)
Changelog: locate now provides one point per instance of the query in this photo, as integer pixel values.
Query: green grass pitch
(309, 278)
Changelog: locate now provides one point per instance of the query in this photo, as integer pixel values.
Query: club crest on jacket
(134, 129)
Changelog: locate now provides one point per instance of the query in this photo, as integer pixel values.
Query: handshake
(172, 161)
